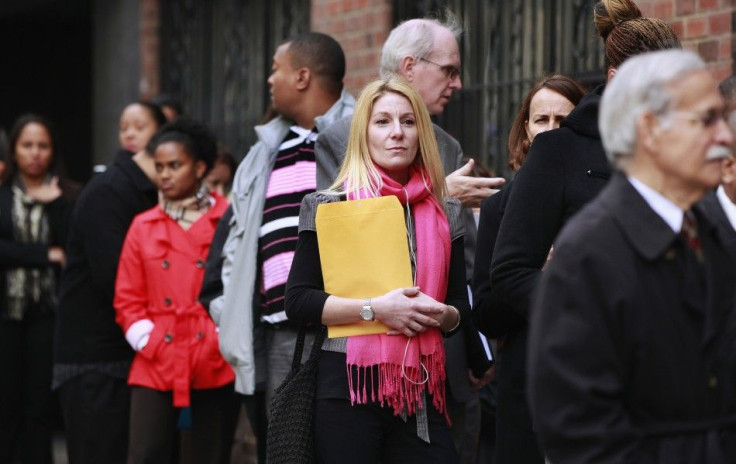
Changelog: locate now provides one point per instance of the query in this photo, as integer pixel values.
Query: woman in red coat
(178, 362)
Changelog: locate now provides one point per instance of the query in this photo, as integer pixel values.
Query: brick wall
(361, 27)
(704, 26)
(150, 20)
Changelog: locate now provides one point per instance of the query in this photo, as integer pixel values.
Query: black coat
(632, 348)
(86, 331)
(14, 254)
(712, 208)
(565, 168)
(490, 315)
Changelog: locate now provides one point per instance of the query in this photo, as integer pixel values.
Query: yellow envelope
(364, 253)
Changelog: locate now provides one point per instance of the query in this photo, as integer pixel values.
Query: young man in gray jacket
(307, 91)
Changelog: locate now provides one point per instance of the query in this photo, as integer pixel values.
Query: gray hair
(640, 86)
(414, 37)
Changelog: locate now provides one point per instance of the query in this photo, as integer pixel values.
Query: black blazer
(712, 208)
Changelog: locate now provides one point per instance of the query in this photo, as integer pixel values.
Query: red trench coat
(159, 278)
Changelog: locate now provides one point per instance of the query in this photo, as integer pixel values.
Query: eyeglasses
(451, 72)
(708, 119)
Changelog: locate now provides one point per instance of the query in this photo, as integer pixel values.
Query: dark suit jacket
(632, 348)
(712, 208)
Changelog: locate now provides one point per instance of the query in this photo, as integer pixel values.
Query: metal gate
(216, 57)
(506, 47)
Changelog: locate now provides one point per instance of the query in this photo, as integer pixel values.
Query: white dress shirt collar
(664, 207)
(728, 206)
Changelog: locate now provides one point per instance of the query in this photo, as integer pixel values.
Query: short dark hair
(322, 55)
(198, 141)
(519, 142)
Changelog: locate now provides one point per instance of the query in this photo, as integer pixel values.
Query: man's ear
(728, 170)
(406, 67)
(611, 72)
(648, 130)
(303, 78)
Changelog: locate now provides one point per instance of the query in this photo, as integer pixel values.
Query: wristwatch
(366, 312)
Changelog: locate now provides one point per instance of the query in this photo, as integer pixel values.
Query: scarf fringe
(403, 395)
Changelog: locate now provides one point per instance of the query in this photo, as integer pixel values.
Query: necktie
(689, 232)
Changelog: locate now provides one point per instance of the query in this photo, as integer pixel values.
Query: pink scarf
(425, 356)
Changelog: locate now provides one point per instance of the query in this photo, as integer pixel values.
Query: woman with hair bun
(177, 361)
(564, 169)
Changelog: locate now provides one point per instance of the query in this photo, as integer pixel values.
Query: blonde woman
(381, 398)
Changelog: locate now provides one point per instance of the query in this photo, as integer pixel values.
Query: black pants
(25, 389)
(153, 420)
(96, 410)
(370, 434)
(255, 408)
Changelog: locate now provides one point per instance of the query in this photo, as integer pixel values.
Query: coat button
(165, 264)
(670, 254)
(168, 337)
(167, 301)
(200, 335)
(712, 381)
(200, 264)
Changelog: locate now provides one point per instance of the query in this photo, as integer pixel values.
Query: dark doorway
(47, 69)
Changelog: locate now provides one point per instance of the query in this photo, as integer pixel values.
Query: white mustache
(718, 152)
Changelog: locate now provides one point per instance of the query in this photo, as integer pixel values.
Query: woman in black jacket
(34, 206)
(564, 170)
(543, 108)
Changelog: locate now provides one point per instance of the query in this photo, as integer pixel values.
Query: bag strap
(319, 338)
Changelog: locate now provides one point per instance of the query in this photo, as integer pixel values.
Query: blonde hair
(358, 171)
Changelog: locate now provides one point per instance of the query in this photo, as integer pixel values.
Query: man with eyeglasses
(632, 355)
(425, 52)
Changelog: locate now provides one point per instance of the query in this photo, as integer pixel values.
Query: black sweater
(86, 330)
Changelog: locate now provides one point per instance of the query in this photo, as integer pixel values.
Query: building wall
(704, 26)
(116, 71)
(150, 23)
(361, 27)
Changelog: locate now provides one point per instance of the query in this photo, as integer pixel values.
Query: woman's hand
(408, 310)
(57, 256)
(45, 193)
(448, 318)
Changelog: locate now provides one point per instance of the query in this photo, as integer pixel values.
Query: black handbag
(290, 437)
